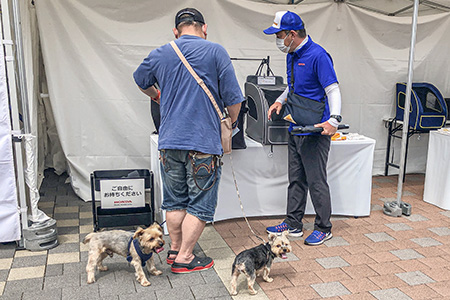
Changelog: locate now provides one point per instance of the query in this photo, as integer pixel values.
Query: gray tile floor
(59, 273)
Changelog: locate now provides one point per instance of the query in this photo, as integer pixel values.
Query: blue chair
(428, 108)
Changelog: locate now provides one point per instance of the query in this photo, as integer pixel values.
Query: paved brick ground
(376, 257)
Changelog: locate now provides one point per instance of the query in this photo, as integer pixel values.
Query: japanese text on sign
(121, 193)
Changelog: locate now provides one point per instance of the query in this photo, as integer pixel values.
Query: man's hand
(327, 128)
(274, 107)
(156, 99)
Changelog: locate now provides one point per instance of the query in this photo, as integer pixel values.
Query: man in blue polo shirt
(310, 75)
(189, 136)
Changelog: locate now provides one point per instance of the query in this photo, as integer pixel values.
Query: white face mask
(283, 48)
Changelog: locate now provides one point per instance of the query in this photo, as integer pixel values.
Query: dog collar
(269, 251)
(144, 257)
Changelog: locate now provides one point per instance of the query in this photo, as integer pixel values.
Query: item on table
(338, 137)
(354, 136)
(444, 130)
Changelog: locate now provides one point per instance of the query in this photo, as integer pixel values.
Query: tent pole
(368, 8)
(435, 5)
(13, 96)
(21, 68)
(407, 105)
(401, 10)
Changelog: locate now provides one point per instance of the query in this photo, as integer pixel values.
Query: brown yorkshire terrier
(259, 259)
(137, 247)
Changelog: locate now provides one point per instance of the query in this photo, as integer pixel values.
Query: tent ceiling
(390, 7)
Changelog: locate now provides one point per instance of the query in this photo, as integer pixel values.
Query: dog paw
(145, 283)
(103, 268)
(90, 280)
(156, 272)
(233, 293)
(268, 279)
(253, 292)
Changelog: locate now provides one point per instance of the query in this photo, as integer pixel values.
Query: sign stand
(123, 201)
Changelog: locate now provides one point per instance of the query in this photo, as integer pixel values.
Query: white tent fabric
(92, 47)
(9, 212)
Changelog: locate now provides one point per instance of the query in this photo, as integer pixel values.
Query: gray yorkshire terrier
(259, 259)
(137, 247)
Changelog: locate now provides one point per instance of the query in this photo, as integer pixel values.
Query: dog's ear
(156, 224)
(285, 233)
(138, 233)
(272, 236)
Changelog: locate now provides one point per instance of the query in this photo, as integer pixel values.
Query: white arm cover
(283, 97)
(334, 101)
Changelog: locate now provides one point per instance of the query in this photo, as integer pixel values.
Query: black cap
(188, 14)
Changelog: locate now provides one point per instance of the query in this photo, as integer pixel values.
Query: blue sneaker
(317, 238)
(278, 229)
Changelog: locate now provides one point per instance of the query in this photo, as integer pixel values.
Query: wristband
(156, 99)
(333, 122)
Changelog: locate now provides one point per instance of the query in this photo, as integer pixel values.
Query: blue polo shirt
(313, 72)
(188, 118)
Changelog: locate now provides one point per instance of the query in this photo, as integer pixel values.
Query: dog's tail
(88, 238)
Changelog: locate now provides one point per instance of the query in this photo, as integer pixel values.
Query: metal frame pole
(13, 96)
(21, 67)
(407, 105)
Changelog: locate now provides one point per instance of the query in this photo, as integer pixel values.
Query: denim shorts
(190, 182)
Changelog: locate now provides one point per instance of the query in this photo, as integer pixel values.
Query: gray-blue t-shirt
(188, 118)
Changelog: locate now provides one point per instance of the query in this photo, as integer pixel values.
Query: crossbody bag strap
(197, 78)
(292, 73)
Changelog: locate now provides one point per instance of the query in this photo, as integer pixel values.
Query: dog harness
(144, 257)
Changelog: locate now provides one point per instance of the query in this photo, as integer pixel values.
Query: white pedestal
(437, 176)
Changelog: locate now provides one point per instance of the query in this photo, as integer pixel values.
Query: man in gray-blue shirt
(189, 135)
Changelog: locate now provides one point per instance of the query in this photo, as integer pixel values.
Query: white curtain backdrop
(92, 47)
(9, 212)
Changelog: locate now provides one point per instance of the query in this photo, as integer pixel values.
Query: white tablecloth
(262, 180)
(437, 176)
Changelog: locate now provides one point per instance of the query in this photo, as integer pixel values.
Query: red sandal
(169, 253)
(197, 264)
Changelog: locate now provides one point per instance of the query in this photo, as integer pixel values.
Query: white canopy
(91, 49)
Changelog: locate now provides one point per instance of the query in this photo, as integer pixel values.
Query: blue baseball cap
(285, 20)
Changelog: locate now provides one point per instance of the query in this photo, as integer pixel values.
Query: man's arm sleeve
(143, 76)
(334, 101)
(283, 97)
(229, 88)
